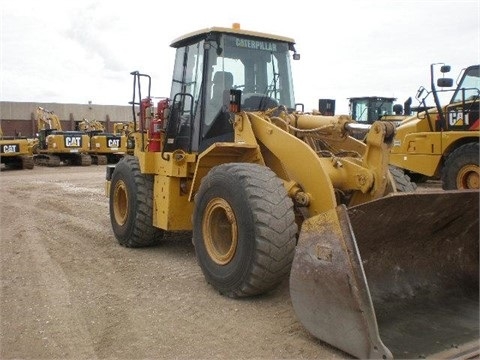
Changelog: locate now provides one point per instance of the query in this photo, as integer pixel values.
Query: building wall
(19, 118)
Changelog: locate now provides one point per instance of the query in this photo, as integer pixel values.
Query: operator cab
(369, 109)
(216, 67)
(462, 112)
(469, 85)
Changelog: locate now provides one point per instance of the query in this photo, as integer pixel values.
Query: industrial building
(19, 118)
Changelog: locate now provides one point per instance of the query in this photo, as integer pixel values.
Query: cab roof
(203, 33)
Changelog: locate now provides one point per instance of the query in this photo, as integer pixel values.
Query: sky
(78, 51)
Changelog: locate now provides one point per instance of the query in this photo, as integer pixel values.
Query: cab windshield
(259, 68)
(369, 110)
(206, 71)
(469, 87)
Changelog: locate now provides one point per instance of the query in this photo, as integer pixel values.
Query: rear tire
(244, 229)
(461, 169)
(131, 205)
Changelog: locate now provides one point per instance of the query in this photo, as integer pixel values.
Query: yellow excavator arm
(47, 120)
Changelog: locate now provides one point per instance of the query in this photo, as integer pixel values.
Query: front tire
(244, 229)
(461, 169)
(131, 205)
(399, 181)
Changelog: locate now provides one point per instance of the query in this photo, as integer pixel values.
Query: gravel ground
(69, 291)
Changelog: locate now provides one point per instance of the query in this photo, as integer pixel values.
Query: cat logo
(113, 143)
(73, 141)
(9, 149)
(455, 118)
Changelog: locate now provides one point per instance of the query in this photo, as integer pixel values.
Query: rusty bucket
(397, 277)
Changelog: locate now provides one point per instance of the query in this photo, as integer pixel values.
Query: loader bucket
(392, 278)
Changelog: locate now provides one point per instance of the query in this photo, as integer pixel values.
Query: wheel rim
(120, 202)
(468, 177)
(219, 228)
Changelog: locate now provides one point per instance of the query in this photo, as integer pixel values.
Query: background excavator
(105, 147)
(16, 152)
(270, 192)
(56, 146)
(125, 129)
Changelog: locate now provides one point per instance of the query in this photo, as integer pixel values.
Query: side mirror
(445, 69)
(408, 106)
(296, 56)
(398, 109)
(420, 92)
(445, 82)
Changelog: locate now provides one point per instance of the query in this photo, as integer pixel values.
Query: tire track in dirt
(51, 317)
(73, 257)
(71, 291)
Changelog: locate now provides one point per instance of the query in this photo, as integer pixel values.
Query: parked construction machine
(16, 152)
(55, 146)
(105, 147)
(443, 141)
(368, 109)
(365, 110)
(125, 129)
(269, 191)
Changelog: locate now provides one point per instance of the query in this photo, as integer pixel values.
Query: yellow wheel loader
(270, 192)
(16, 152)
(55, 146)
(368, 109)
(443, 141)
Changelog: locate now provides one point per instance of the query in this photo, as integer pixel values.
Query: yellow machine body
(104, 147)
(375, 269)
(442, 142)
(56, 146)
(16, 152)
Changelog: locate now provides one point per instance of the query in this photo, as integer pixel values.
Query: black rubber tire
(114, 158)
(131, 205)
(255, 221)
(461, 168)
(401, 180)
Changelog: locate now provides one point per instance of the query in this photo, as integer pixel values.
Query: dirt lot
(68, 290)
